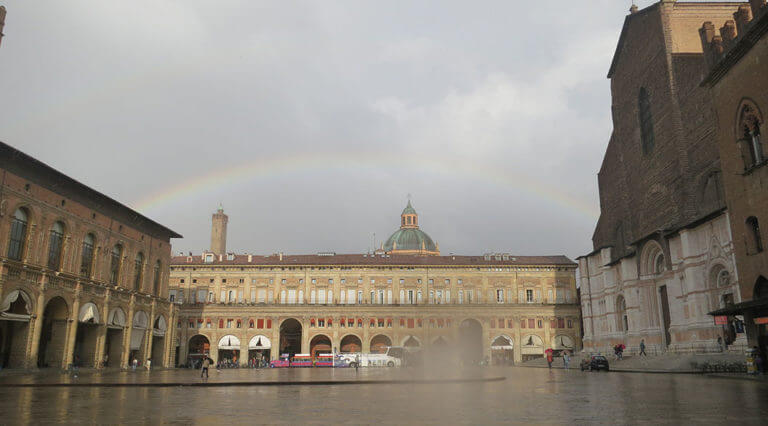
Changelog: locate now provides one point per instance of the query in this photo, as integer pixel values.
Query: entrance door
(665, 313)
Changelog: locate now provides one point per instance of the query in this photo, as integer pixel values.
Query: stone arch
(54, 332)
(138, 344)
(379, 343)
(760, 290)
(351, 343)
(290, 336)
(470, 342)
(652, 259)
(113, 346)
(159, 328)
(89, 312)
(747, 114)
(320, 344)
(531, 347)
(85, 350)
(15, 312)
(198, 348)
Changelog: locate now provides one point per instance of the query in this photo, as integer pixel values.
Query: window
(156, 279)
(459, 281)
(461, 297)
(646, 120)
(86, 257)
(54, 246)
(529, 296)
(410, 297)
(499, 295)
(755, 242)
(114, 265)
(659, 265)
(18, 234)
(749, 125)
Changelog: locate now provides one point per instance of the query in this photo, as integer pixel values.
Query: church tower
(219, 232)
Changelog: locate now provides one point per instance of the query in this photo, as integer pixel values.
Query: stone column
(69, 347)
(102, 338)
(36, 329)
(149, 336)
(124, 361)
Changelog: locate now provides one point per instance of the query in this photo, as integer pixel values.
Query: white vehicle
(371, 360)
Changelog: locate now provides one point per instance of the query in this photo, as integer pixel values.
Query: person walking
(134, 364)
(549, 358)
(566, 360)
(642, 347)
(204, 369)
(149, 364)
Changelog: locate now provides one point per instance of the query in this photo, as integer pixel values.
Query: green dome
(409, 239)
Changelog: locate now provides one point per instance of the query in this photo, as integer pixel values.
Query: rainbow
(316, 162)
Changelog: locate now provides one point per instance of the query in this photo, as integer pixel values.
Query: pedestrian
(357, 362)
(549, 358)
(204, 369)
(134, 364)
(642, 347)
(566, 360)
(149, 364)
(720, 342)
(106, 360)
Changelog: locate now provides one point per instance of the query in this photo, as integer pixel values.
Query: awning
(160, 327)
(116, 319)
(89, 313)
(741, 308)
(259, 342)
(229, 342)
(562, 342)
(12, 297)
(137, 336)
(140, 320)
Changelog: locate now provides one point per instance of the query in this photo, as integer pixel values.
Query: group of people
(135, 364)
(566, 358)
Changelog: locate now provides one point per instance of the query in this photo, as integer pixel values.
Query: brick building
(82, 277)
(736, 50)
(506, 308)
(663, 248)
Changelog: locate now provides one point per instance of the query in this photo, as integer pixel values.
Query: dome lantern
(409, 239)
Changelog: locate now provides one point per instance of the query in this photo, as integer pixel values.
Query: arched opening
(113, 346)
(470, 343)
(290, 337)
(319, 345)
(754, 239)
(502, 351)
(229, 351)
(622, 322)
(748, 129)
(54, 334)
(138, 271)
(115, 258)
(158, 340)
(138, 334)
(88, 321)
(531, 347)
(379, 344)
(14, 328)
(351, 343)
(259, 350)
(198, 348)
(86, 255)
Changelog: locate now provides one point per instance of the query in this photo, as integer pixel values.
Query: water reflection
(528, 395)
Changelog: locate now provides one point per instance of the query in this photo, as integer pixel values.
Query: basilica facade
(500, 307)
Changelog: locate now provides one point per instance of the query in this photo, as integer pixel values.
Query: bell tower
(219, 231)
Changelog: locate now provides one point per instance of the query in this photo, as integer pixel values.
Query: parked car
(595, 363)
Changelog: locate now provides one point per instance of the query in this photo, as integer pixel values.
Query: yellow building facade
(499, 307)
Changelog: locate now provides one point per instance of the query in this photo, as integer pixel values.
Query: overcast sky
(312, 121)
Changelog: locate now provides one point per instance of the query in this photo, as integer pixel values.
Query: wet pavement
(528, 395)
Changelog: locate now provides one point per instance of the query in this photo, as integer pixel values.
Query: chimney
(219, 231)
(728, 32)
(707, 34)
(281, 256)
(633, 9)
(250, 258)
(742, 18)
(756, 5)
(2, 22)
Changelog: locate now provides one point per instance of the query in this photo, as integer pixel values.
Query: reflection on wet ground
(528, 395)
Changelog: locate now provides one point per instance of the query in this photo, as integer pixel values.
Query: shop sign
(763, 320)
(721, 320)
